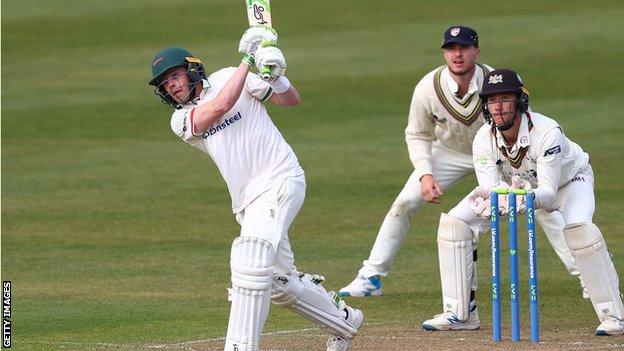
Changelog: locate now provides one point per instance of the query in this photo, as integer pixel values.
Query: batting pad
(312, 302)
(455, 252)
(252, 261)
(597, 271)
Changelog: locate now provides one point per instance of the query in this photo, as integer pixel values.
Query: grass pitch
(116, 235)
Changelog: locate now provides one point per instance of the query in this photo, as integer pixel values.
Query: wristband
(281, 85)
(249, 60)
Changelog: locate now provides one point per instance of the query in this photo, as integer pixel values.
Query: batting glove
(269, 55)
(253, 36)
(249, 60)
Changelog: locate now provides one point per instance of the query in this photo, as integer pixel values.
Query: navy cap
(461, 35)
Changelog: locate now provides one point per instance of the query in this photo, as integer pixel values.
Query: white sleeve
(258, 88)
(419, 135)
(548, 168)
(486, 160)
(182, 124)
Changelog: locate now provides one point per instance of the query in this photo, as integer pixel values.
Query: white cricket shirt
(436, 112)
(542, 155)
(250, 153)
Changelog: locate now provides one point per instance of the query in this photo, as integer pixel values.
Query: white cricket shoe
(362, 286)
(354, 317)
(449, 321)
(611, 325)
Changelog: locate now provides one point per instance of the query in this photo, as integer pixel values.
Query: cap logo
(454, 31)
(495, 79)
(193, 59)
(157, 60)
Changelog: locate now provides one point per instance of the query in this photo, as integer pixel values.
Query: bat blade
(259, 13)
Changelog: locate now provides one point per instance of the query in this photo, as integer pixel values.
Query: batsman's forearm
(288, 98)
(208, 113)
(232, 90)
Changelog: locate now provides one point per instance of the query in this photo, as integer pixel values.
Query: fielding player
(443, 120)
(223, 115)
(530, 151)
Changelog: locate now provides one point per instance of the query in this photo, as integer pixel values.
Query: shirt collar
(454, 87)
(523, 135)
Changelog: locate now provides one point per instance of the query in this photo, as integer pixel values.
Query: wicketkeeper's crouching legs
(457, 255)
(601, 279)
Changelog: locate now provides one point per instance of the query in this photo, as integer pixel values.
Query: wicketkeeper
(527, 150)
(223, 115)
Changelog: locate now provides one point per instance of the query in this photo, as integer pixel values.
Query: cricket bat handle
(266, 73)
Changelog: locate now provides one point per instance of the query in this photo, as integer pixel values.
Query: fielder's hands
(269, 55)
(252, 38)
(431, 190)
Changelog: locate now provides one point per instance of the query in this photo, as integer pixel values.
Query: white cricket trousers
(270, 215)
(448, 166)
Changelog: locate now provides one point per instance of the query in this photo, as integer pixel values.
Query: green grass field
(115, 234)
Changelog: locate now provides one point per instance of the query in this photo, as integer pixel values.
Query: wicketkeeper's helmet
(503, 81)
(173, 57)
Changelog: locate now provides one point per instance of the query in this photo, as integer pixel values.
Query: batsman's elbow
(295, 101)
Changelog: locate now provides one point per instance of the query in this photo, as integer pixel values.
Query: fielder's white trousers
(448, 166)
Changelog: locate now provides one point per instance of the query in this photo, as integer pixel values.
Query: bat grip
(266, 73)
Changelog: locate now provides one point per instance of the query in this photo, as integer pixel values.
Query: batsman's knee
(251, 260)
(284, 292)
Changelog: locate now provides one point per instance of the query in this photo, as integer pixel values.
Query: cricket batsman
(223, 115)
(529, 151)
(443, 120)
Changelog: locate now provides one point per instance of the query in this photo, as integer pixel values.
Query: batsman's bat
(259, 14)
